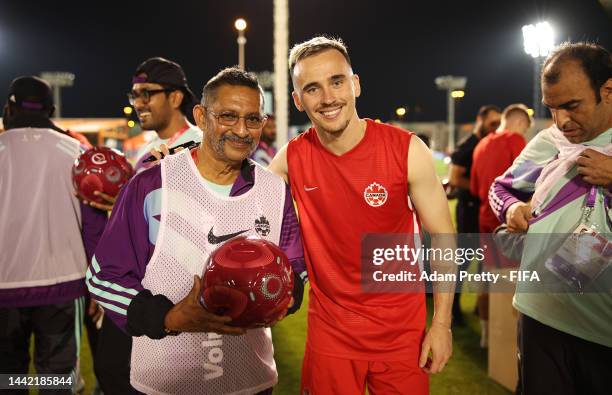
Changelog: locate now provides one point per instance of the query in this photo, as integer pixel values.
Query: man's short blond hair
(314, 46)
(517, 109)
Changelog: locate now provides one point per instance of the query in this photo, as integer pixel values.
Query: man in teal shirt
(565, 172)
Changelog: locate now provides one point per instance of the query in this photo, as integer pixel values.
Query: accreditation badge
(582, 257)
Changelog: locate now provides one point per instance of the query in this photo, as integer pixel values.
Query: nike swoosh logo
(308, 189)
(212, 239)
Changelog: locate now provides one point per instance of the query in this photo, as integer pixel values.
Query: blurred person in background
(266, 148)
(163, 101)
(466, 211)
(493, 155)
(46, 236)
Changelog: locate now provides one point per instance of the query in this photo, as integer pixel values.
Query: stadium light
(538, 42)
(400, 111)
(538, 39)
(240, 25)
(127, 110)
(457, 94)
(451, 84)
(131, 123)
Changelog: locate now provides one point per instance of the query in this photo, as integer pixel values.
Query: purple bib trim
(44, 295)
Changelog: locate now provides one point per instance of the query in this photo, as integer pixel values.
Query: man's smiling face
(326, 89)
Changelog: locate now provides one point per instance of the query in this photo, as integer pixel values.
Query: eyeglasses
(145, 94)
(252, 121)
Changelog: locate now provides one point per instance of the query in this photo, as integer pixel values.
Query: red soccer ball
(100, 169)
(249, 280)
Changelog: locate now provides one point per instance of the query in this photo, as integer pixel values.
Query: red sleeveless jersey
(340, 198)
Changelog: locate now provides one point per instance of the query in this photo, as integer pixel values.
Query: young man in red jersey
(356, 338)
(493, 155)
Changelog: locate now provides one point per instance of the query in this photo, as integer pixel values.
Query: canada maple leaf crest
(375, 194)
(262, 226)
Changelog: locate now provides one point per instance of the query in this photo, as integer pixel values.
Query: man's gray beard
(219, 147)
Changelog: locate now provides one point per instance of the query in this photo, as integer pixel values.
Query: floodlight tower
(58, 80)
(240, 25)
(453, 86)
(538, 41)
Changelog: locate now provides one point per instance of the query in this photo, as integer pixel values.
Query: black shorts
(555, 362)
(57, 330)
(112, 360)
(467, 215)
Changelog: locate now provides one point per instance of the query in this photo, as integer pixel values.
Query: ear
(297, 102)
(357, 85)
(176, 98)
(199, 115)
(51, 111)
(606, 91)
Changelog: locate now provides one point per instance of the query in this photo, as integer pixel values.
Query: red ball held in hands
(100, 169)
(248, 279)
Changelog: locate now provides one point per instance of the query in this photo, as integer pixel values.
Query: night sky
(397, 47)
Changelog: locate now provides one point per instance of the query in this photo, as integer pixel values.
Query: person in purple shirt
(146, 284)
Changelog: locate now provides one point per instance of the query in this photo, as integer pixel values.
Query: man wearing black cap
(46, 236)
(162, 100)
(35, 112)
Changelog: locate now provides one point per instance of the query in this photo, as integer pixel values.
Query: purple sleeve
(503, 193)
(501, 197)
(118, 266)
(93, 222)
(291, 239)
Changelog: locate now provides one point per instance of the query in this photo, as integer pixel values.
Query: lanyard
(590, 203)
(176, 135)
(607, 207)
